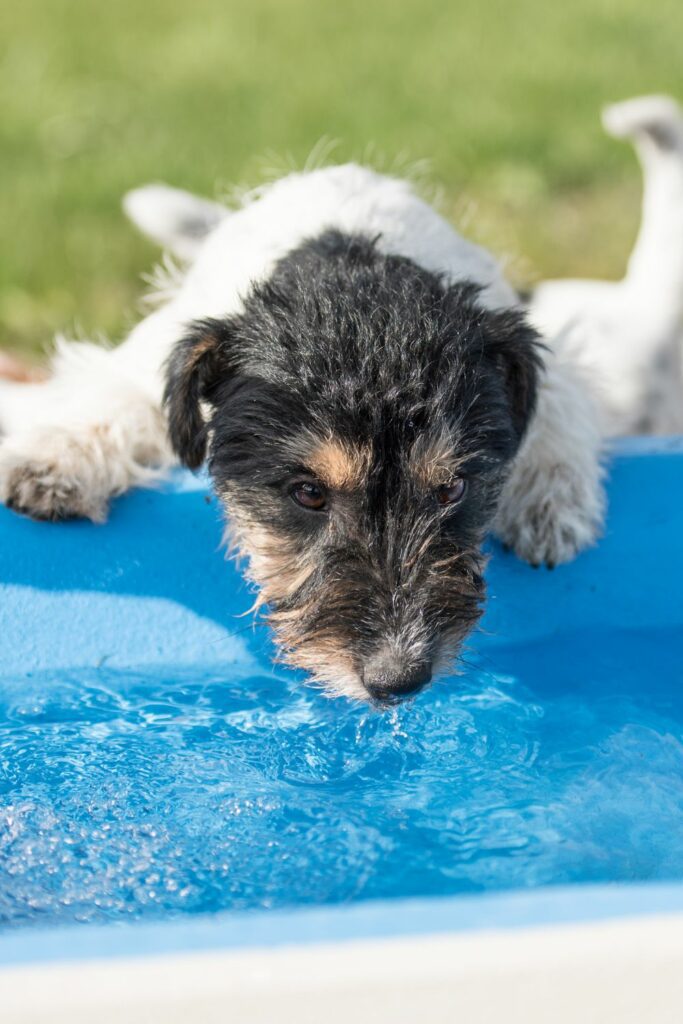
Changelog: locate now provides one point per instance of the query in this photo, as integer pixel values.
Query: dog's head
(360, 415)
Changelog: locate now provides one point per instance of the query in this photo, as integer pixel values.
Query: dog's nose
(389, 686)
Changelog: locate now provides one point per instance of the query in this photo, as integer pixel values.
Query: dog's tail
(176, 220)
(654, 124)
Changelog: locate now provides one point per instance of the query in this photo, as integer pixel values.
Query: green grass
(502, 97)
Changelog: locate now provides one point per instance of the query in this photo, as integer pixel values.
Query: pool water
(142, 796)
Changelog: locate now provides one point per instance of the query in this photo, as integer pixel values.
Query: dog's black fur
(380, 385)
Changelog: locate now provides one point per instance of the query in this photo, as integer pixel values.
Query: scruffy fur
(378, 381)
(334, 333)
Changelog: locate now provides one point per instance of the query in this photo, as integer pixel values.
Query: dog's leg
(630, 333)
(655, 126)
(553, 504)
(96, 427)
(90, 432)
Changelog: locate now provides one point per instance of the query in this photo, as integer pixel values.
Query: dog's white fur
(95, 428)
(628, 335)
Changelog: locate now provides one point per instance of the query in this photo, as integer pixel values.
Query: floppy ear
(196, 365)
(174, 219)
(517, 350)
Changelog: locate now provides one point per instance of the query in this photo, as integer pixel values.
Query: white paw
(52, 476)
(549, 514)
(657, 116)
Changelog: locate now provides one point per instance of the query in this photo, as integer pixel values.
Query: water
(133, 797)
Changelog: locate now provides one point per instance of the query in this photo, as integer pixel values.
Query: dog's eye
(451, 494)
(309, 495)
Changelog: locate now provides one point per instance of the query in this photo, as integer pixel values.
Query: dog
(371, 399)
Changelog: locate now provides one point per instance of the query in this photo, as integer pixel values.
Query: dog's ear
(174, 219)
(196, 366)
(516, 349)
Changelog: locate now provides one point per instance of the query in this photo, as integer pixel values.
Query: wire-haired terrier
(371, 401)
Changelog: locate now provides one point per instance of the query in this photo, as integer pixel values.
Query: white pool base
(625, 971)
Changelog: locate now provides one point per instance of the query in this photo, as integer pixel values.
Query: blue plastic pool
(153, 763)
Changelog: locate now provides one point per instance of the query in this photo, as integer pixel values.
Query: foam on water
(133, 796)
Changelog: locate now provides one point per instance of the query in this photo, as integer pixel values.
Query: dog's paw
(548, 515)
(51, 477)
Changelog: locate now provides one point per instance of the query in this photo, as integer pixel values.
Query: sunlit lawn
(503, 99)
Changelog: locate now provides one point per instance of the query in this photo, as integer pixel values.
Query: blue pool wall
(153, 587)
(382, 919)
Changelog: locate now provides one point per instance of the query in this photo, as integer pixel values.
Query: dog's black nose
(388, 686)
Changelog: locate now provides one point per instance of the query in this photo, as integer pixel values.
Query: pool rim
(579, 903)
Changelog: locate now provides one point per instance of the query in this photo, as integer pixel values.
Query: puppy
(371, 401)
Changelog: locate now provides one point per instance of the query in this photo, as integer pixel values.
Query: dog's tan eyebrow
(433, 460)
(340, 464)
(199, 349)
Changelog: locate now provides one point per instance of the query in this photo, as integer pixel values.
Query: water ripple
(129, 796)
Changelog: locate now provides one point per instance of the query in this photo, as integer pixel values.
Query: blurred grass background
(502, 97)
